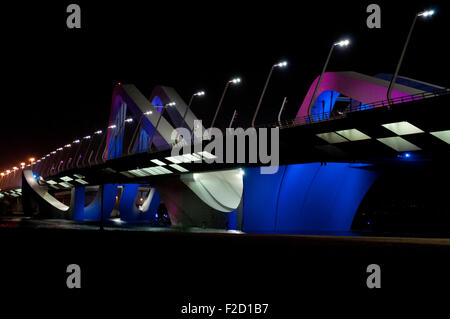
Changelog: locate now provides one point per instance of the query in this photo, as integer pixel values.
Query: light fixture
(282, 64)
(343, 43)
(426, 13)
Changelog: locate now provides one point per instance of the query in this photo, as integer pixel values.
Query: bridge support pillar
(92, 212)
(128, 209)
(305, 197)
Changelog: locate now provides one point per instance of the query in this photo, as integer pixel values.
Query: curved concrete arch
(166, 94)
(49, 206)
(137, 104)
(221, 190)
(359, 87)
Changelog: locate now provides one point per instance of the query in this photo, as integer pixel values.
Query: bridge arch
(360, 88)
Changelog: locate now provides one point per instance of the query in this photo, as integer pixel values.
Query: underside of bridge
(301, 197)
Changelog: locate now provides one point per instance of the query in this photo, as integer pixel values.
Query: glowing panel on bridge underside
(158, 162)
(353, 135)
(399, 144)
(65, 184)
(81, 181)
(179, 168)
(332, 137)
(402, 128)
(185, 158)
(51, 182)
(66, 178)
(442, 135)
(151, 171)
(148, 171)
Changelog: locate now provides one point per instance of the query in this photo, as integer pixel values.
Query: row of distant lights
(22, 165)
(88, 137)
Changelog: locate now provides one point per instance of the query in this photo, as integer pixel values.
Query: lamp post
(281, 110)
(342, 43)
(200, 93)
(232, 118)
(157, 122)
(424, 14)
(278, 65)
(232, 81)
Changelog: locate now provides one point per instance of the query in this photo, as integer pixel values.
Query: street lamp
(278, 65)
(342, 43)
(232, 81)
(199, 93)
(425, 14)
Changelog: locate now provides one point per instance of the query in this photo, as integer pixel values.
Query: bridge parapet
(329, 116)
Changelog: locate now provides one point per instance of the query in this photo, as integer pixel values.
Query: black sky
(57, 83)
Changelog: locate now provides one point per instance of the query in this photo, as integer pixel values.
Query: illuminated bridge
(330, 156)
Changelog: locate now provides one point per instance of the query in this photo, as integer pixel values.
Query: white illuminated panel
(332, 138)
(179, 168)
(66, 179)
(190, 157)
(154, 170)
(353, 135)
(173, 160)
(64, 184)
(399, 144)
(158, 162)
(51, 182)
(78, 176)
(207, 155)
(402, 128)
(150, 170)
(442, 135)
(81, 181)
(138, 172)
(162, 170)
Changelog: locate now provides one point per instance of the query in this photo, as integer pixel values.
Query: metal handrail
(328, 116)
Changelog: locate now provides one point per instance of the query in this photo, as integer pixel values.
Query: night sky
(57, 83)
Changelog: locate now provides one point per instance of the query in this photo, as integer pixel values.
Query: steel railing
(328, 116)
